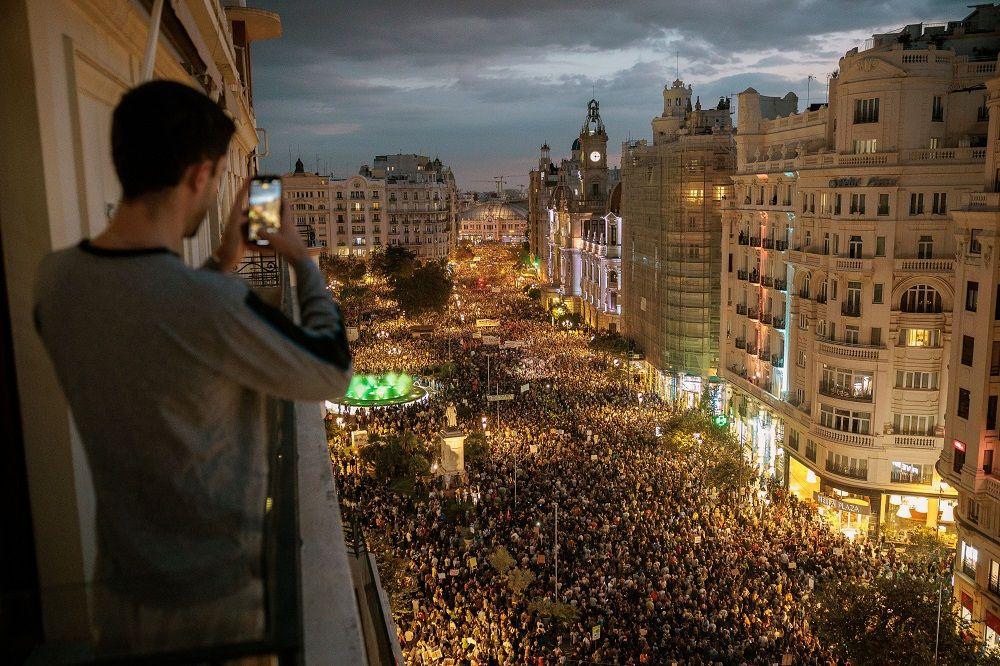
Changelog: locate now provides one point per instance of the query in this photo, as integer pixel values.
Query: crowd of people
(649, 561)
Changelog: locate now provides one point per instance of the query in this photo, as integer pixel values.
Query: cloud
(483, 83)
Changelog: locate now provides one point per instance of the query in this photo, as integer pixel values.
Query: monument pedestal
(452, 454)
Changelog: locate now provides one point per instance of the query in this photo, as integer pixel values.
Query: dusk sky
(483, 84)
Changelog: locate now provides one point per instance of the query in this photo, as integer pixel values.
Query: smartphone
(265, 208)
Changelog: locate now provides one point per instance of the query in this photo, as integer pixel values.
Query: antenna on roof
(677, 64)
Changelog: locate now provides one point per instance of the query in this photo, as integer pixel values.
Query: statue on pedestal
(451, 415)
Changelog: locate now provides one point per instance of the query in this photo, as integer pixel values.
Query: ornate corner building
(574, 229)
(842, 318)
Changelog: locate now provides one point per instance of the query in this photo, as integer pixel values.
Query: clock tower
(594, 155)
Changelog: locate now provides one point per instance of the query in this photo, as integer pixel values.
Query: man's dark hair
(161, 128)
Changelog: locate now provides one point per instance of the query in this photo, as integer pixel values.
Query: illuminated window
(920, 337)
(695, 194)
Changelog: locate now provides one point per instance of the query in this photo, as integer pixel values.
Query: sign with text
(487, 323)
(840, 505)
(500, 398)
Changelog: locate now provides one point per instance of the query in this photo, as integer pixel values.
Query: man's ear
(199, 176)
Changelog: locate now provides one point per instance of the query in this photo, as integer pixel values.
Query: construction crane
(500, 181)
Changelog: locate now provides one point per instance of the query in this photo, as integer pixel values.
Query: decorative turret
(299, 167)
(593, 124)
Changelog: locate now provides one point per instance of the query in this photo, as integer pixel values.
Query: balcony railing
(753, 313)
(849, 309)
(845, 392)
(741, 275)
(969, 567)
(918, 478)
(754, 277)
(260, 272)
(766, 318)
(741, 309)
(781, 284)
(754, 241)
(743, 240)
(767, 243)
(858, 473)
(778, 323)
(741, 343)
(752, 348)
(781, 245)
(778, 361)
(767, 281)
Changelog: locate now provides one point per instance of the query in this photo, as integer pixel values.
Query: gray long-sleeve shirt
(166, 369)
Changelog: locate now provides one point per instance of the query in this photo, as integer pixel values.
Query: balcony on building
(857, 473)
(844, 392)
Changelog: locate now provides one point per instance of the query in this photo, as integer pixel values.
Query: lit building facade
(601, 268)
(671, 206)
(562, 201)
(839, 275)
(494, 221)
(970, 433)
(407, 200)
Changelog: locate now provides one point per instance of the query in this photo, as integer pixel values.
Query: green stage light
(721, 420)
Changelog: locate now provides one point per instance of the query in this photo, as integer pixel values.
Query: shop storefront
(847, 510)
(907, 513)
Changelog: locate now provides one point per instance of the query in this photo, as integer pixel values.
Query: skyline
(442, 80)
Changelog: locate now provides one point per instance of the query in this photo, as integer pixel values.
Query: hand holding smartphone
(264, 209)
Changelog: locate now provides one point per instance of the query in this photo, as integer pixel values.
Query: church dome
(496, 210)
(576, 144)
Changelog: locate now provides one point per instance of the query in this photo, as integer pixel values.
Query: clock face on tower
(595, 156)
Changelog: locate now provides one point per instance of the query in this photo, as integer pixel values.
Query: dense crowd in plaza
(658, 565)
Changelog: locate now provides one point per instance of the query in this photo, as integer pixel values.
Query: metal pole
(937, 633)
(154, 34)
(555, 550)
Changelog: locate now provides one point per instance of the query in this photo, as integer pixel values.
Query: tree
(343, 269)
(427, 288)
(893, 621)
(518, 580)
(501, 560)
(611, 343)
(394, 262)
(398, 460)
(476, 446)
(562, 613)
(464, 252)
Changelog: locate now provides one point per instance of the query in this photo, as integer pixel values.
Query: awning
(967, 601)
(993, 622)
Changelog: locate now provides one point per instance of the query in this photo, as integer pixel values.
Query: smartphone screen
(265, 208)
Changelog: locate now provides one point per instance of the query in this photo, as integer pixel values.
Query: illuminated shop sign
(840, 505)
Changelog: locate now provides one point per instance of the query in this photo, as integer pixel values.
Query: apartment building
(671, 203)
(840, 298)
(970, 432)
(407, 200)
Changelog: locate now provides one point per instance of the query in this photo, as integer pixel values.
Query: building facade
(839, 271)
(406, 200)
(563, 201)
(601, 268)
(970, 432)
(672, 194)
(494, 221)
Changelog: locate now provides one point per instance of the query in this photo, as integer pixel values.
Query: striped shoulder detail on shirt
(332, 349)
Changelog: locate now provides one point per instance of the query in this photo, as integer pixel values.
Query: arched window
(920, 298)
